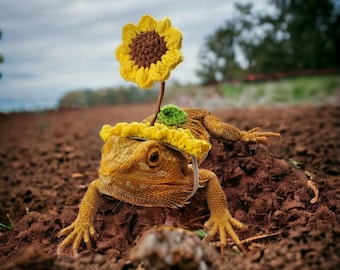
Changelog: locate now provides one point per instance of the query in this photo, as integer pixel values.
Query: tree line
(295, 35)
(106, 96)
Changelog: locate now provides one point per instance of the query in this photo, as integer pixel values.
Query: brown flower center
(147, 48)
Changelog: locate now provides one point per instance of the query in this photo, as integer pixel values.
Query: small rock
(68, 149)
(300, 149)
(77, 175)
(169, 247)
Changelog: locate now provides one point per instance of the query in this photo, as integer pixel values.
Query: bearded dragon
(150, 173)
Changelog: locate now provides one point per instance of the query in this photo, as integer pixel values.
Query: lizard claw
(77, 232)
(223, 224)
(256, 135)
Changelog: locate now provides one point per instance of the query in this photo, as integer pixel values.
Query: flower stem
(160, 99)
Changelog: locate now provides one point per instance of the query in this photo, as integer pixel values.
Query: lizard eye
(153, 158)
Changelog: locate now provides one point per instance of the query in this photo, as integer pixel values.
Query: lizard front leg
(220, 220)
(219, 129)
(82, 228)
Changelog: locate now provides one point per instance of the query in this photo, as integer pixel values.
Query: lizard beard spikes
(173, 195)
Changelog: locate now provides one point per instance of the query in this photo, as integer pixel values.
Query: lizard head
(145, 173)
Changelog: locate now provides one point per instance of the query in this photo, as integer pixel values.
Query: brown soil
(48, 159)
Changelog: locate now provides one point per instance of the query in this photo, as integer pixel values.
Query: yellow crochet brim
(180, 138)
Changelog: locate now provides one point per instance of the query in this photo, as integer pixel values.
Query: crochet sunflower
(150, 50)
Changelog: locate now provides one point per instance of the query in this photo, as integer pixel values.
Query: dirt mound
(48, 159)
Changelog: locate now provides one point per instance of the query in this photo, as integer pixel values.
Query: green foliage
(298, 35)
(201, 233)
(7, 227)
(303, 36)
(218, 55)
(295, 164)
(108, 96)
(288, 91)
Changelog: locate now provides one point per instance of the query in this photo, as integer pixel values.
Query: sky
(52, 47)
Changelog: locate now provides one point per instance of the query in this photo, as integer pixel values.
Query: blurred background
(57, 54)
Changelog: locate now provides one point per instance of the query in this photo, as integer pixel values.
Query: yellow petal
(172, 58)
(105, 132)
(129, 32)
(147, 23)
(128, 70)
(159, 71)
(173, 38)
(142, 78)
(163, 25)
(123, 53)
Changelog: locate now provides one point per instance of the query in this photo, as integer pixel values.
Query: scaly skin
(148, 173)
